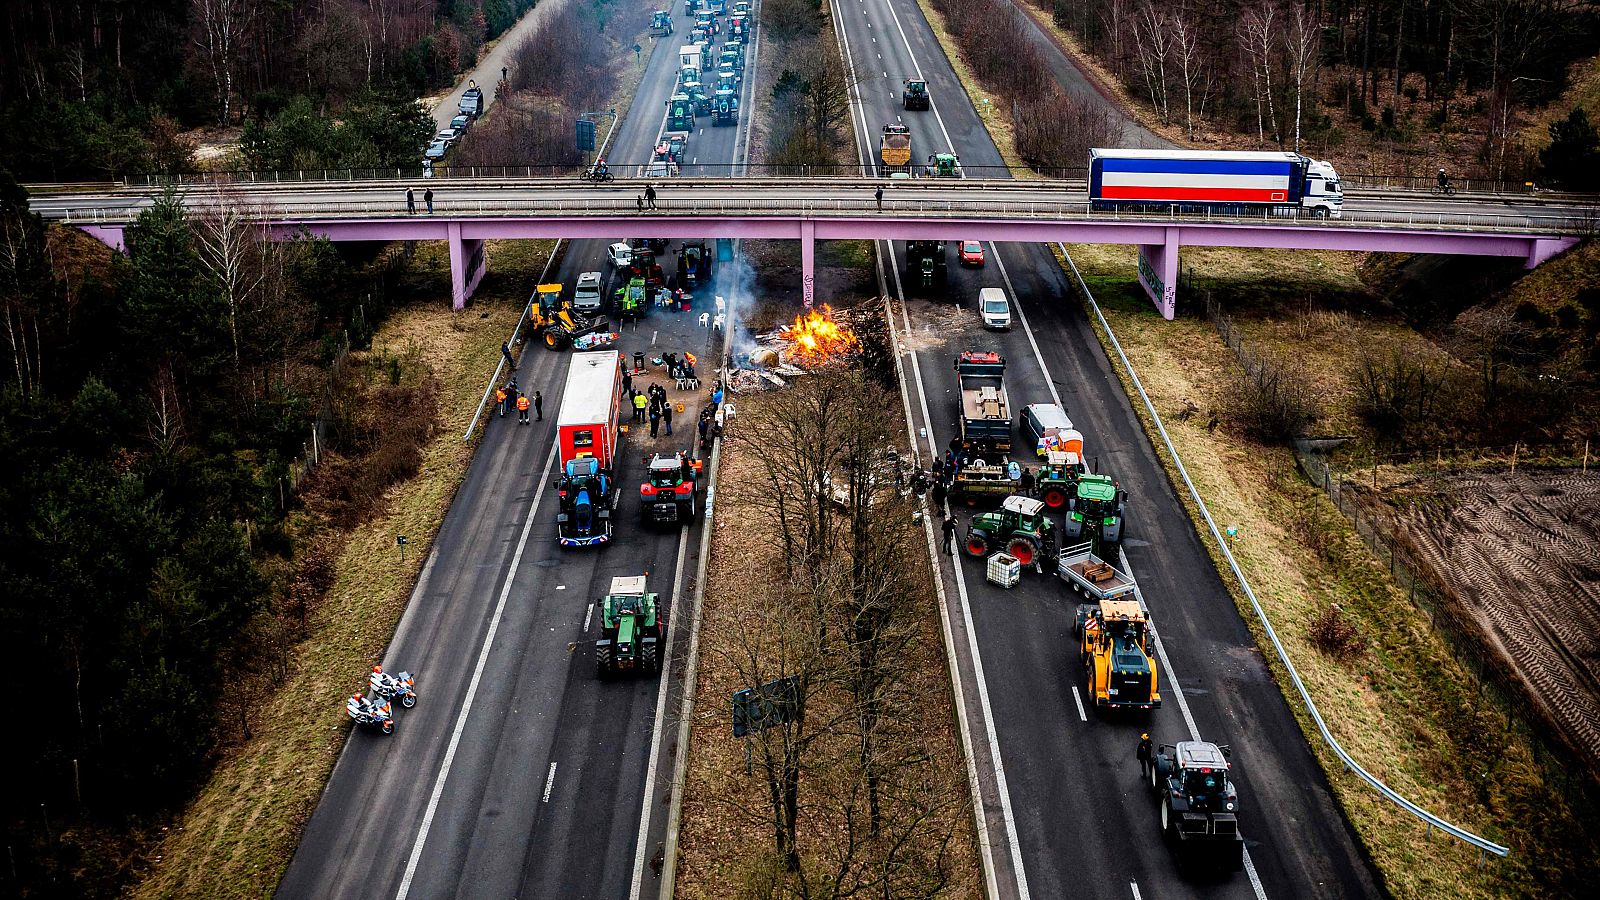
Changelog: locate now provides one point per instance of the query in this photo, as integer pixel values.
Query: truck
(471, 102)
(661, 23)
(894, 148)
(985, 412)
(632, 626)
(668, 494)
(586, 427)
(1199, 804)
(1113, 646)
(1217, 182)
(927, 265)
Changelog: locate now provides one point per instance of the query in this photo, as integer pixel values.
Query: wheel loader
(632, 629)
(1113, 648)
(553, 322)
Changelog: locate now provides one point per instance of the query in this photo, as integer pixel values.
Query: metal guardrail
(1065, 211)
(1484, 845)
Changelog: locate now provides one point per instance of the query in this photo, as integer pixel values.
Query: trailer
(590, 405)
(1092, 576)
(985, 411)
(1219, 182)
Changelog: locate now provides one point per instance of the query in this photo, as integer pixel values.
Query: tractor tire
(1166, 821)
(649, 661)
(1054, 498)
(553, 339)
(602, 662)
(1023, 550)
(977, 546)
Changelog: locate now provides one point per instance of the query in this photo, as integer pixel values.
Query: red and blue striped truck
(1218, 182)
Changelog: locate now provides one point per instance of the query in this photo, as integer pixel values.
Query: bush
(1332, 634)
(1270, 401)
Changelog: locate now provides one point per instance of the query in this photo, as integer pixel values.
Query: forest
(120, 82)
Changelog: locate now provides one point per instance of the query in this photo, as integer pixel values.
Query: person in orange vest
(500, 400)
(522, 409)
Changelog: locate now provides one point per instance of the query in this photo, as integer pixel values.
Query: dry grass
(237, 836)
(997, 123)
(1404, 708)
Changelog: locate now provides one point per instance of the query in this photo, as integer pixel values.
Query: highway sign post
(585, 136)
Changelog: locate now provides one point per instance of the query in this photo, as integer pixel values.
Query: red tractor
(667, 497)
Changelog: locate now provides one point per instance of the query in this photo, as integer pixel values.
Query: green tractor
(680, 113)
(1057, 481)
(633, 301)
(1019, 527)
(944, 165)
(915, 95)
(632, 628)
(1097, 509)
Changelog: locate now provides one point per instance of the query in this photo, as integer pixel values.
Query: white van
(586, 296)
(994, 308)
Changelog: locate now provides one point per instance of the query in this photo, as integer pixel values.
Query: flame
(816, 336)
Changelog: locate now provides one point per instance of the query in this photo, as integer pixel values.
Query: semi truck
(1220, 182)
(985, 412)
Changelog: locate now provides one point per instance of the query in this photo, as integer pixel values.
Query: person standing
(500, 400)
(1025, 483)
(502, 73)
(427, 197)
(655, 420)
(650, 195)
(538, 405)
(1144, 756)
(639, 403)
(411, 202)
(522, 410)
(627, 382)
(505, 350)
(949, 534)
(878, 195)
(666, 416)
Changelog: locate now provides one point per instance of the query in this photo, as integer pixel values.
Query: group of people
(510, 396)
(652, 404)
(411, 200)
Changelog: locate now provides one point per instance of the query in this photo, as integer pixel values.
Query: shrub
(1332, 634)
(1270, 401)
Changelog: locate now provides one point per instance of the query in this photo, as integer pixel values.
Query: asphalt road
(1083, 825)
(536, 788)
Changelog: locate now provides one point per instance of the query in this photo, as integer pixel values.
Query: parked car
(448, 135)
(972, 254)
(586, 297)
(620, 254)
(994, 307)
(435, 150)
(460, 124)
(1037, 418)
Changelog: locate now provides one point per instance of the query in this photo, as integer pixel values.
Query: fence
(1565, 768)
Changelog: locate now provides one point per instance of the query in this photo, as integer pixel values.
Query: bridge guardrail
(841, 207)
(1484, 845)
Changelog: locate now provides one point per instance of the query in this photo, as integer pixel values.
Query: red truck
(590, 408)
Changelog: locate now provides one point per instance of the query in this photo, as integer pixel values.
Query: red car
(972, 254)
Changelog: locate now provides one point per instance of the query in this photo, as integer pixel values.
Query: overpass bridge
(467, 212)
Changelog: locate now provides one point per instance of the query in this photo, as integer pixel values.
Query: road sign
(773, 703)
(585, 136)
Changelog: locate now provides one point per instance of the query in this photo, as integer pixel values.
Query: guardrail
(1484, 845)
(821, 207)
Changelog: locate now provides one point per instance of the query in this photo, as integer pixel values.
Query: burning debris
(816, 340)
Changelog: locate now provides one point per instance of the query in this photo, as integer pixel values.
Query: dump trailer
(926, 264)
(985, 412)
(1199, 805)
(1216, 182)
(632, 628)
(668, 494)
(1113, 646)
(1096, 510)
(894, 148)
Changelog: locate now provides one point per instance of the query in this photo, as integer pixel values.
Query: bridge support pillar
(111, 235)
(1158, 273)
(1541, 249)
(468, 261)
(808, 261)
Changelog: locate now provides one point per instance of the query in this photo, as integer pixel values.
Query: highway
(1075, 820)
(519, 773)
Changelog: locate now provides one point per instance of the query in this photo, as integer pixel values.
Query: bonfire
(816, 337)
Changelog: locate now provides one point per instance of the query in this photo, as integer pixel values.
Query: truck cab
(1324, 196)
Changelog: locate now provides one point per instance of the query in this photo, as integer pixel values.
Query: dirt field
(1518, 550)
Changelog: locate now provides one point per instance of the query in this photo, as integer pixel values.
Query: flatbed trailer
(1092, 576)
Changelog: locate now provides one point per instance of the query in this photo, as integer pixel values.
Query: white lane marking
(477, 678)
(653, 336)
(549, 782)
(1183, 705)
(1134, 886)
(1027, 327)
(1078, 699)
(640, 843)
(588, 616)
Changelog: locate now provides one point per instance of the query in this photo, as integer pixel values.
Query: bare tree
(1304, 44)
(1152, 43)
(230, 251)
(1257, 36)
(220, 29)
(165, 424)
(1186, 47)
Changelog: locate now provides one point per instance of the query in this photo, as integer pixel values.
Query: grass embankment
(237, 837)
(997, 123)
(1397, 699)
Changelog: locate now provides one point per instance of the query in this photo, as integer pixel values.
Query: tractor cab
(1201, 774)
(1019, 527)
(1097, 508)
(697, 95)
(632, 625)
(915, 95)
(546, 302)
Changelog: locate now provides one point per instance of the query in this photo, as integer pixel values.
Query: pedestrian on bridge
(650, 195)
(1144, 756)
(411, 202)
(538, 405)
(878, 195)
(427, 197)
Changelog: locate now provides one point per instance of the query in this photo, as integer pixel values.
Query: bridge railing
(853, 205)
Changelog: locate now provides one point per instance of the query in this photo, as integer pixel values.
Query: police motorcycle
(372, 712)
(400, 687)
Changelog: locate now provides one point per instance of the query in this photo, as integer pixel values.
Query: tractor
(632, 301)
(1199, 805)
(915, 95)
(587, 498)
(726, 109)
(661, 23)
(1057, 480)
(694, 264)
(680, 113)
(1113, 647)
(642, 264)
(944, 165)
(1097, 509)
(667, 496)
(697, 96)
(632, 627)
(552, 321)
(1019, 527)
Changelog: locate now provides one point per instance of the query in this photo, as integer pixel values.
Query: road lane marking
(588, 615)
(1078, 699)
(1027, 327)
(477, 678)
(1134, 886)
(549, 782)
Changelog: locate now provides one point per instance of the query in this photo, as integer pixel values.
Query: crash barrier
(555, 253)
(941, 206)
(1484, 845)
